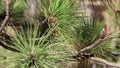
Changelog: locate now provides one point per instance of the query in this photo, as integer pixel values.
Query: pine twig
(7, 15)
(104, 62)
(92, 45)
(104, 36)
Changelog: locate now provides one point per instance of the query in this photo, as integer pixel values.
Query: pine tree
(54, 34)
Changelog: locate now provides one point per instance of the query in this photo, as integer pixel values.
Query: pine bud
(31, 53)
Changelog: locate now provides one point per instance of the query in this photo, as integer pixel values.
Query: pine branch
(102, 61)
(80, 52)
(104, 36)
(7, 15)
(92, 45)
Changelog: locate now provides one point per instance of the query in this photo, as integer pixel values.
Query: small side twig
(80, 52)
(92, 45)
(7, 15)
(104, 62)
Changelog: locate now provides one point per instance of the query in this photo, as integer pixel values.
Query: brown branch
(95, 44)
(80, 52)
(104, 36)
(7, 15)
(104, 62)
(92, 45)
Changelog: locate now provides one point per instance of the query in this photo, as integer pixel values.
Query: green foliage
(15, 8)
(49, 49)
(36, 51)
(47, 53)
(61, 12)
(88, 32)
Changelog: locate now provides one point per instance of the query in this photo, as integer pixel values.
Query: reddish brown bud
(31, 53)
